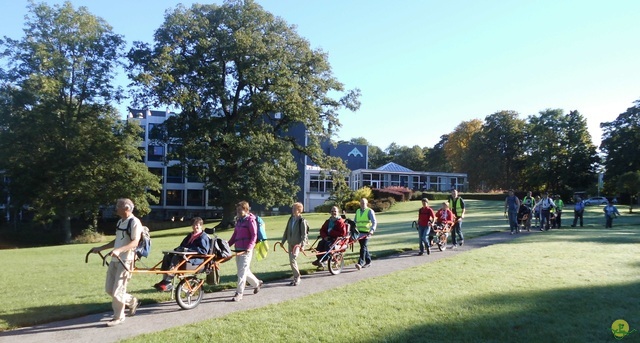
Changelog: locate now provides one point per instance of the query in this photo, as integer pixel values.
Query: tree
(244, 81)
(436, 158)
(61, 142)
(629, 183)
(621, 144)
(498, 151)
(582, 156)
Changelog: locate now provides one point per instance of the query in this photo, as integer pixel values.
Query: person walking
(536, 211)
(296, 233)
(365, 219)
(559, 206)
(529, 201)
(426, 217)
(332, 229)
(244, 239)
(578, 212)
(610, 212)
(545, 205)
(511, 207)
(128, 232)
(456, 204)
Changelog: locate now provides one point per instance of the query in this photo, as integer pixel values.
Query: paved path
(156, 317)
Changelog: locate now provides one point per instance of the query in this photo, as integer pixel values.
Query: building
(183, 195)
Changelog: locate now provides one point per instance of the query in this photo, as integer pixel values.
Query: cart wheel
(336, 263)
(189, 293)
(442, 242)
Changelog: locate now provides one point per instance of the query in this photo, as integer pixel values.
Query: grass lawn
(567, 285)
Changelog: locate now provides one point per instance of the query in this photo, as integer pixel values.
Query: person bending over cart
(196, 241)
(332, 229)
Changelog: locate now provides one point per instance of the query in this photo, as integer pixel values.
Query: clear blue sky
(425, 66)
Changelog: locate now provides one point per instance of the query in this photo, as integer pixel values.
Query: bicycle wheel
(189, 293)
(336, 263)
(442, 241)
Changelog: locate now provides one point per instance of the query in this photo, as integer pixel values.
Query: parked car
(596, 201)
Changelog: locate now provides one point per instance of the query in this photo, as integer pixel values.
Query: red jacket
(339, 229)
(445, 216)
(425, 215)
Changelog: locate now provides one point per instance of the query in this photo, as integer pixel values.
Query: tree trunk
(228, 217)
(66, 226)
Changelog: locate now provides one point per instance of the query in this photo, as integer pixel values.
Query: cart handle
(287, 251)
(104, 258)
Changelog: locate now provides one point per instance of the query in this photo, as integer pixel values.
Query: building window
(155, 132)
(320, 183)
(174, 197)
(155, 153)
(195, 197)
(175, 174)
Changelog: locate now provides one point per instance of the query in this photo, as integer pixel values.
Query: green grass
(561, 285)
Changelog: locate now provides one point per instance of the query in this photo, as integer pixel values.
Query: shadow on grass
(581, 314)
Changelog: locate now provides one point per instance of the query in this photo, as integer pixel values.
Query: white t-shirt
(122, 237)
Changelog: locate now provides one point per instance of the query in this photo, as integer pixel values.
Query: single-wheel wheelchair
(189, 292)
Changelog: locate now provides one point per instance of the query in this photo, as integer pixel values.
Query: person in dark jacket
(196, 241)
(332, 229)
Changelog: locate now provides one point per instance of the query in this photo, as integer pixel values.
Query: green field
(564, 285)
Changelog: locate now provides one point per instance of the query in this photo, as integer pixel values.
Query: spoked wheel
(442, 241)
(189, 293)
(336, 263)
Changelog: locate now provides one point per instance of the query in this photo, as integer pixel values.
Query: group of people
(450, 213)
(547, 212)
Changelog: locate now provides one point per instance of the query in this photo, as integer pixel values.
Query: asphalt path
(156, 317)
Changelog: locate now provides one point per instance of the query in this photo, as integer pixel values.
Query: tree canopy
(61, 142)
(244, 81)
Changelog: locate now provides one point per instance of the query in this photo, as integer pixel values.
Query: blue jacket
(200, 245)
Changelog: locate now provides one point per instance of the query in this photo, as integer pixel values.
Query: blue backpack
(144, 244)
(262, 234)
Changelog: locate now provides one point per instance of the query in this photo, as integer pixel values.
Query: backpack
(221, 248)
(262, 234)
(144, 244)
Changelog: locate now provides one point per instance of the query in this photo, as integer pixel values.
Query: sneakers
(134, 307)
(461, 242)
(420, 253)
(163, 286)
(237, 297)
(317, 263)
(257, 289)
(294, 283)
(358, 266)
(115, 322)
(455, 246)
(428, 250)
(367, 265)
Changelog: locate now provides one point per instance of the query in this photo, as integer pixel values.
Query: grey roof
(394, 167)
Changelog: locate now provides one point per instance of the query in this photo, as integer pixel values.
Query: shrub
(88, 236)
(364, 192)
(352, 206)
(324, 208)
(380, 205)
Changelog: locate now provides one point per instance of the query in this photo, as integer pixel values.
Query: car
(596, 201)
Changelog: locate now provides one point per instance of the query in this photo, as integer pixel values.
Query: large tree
(243, 80)
(621, 145)
(61, 142)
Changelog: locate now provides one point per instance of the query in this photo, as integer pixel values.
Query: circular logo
(620, 328)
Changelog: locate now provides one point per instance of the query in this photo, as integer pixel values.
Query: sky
(425, 66)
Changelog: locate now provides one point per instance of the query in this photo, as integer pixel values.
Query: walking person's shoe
(258, 287)
(237, 297)
(134, 307)
(115, 322)
(428, 250)
(420, 253)
(358, 266)
(367, 265)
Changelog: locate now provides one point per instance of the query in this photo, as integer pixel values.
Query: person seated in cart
(524, 217)
(196, 241)
(444, 216)
(332, 229)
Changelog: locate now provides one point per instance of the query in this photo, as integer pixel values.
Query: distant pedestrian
(426, 217)
(545, 205)
(366, 223)
(610, 212)
(511, 207)
(578, 212)
(536, 212)
(456, 204)
(296, 233)
(559, 206)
